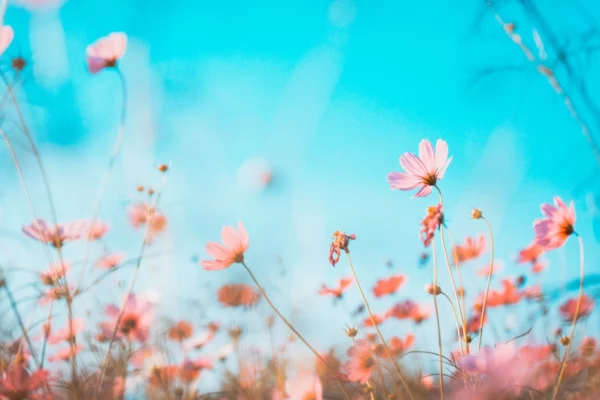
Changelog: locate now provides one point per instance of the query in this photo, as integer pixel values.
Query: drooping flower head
(304, 387)
(362, 362)
(340, 242)
(235, 244)
(473, 248)
(237, 295)
(422, 172)
(388, 286)
(432, 222)
(106, 51)
(338, 291)
(552, 231)
(55, 235)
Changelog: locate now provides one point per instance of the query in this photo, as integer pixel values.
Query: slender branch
(437, 317)
(489, 280)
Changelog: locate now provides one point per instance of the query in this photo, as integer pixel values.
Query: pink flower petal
(215, 250)
(424, 191)
(413, 165)
(403, 181)
(6, 36)
(426, 154)
(441, 155)
(214, 265)
(230, 238)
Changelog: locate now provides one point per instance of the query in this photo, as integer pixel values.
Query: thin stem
(107, 172)
(377, 327)
(563, 363)
(437, 317)
(455, 320)
(462, 318)
(458, 269)
(489, 280)
(289, 325)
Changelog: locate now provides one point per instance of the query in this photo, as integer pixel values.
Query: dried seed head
(476, 214)
(18, 63)
(565, 341)
(351, 331)
(235, 332)
(163, 167)
(178, 392)
(140, 188)
(460, 292)
(434, 290)
(468, 339)
(150, 192)
(270, 321)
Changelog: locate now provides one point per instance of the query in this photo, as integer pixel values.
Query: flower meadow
(455, 340)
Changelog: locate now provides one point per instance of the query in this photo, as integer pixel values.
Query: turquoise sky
(331, 94)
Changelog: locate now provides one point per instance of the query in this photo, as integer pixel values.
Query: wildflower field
(313, 200)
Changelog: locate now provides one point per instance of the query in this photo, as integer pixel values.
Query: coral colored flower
(238, 295)
(379, 319)
(56, 271)
(388, 286)
(190, 370)
(421, 313)
(304, 387)
(180, 331)
(17, 383)
(538, 266)
(106, 51)
(422, 172)
(6, 36)
(235, 244)
(67, 334)
(532, 292)
(145, 214)
(427, 381)
(66, 353)
(54, 235)
(567, 309)
(110, 261)
(338, 291)
(431, 223)
(398, 346)
(362, 362)
(404, 310)
(588, 346)
(473, 248)
(135, 321)
(532, 354)
(202, 339)
(58, 292)
(485, 270)
(531, 253)
(507, 296)
(340, 242)
(96, 230)
(552, 231)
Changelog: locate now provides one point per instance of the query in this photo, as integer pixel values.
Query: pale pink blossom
(135, 321)
(362, 362)
(110, 261)
(55, 235)
(17, 383)
(66, 334)
(143, 214)
(235, 244)
(424, 171)
(106, 51)
(569, 308)
(56, 272)
(6, 36)
(96, 230)
(559, 223)
(303, 387)
(66, 353)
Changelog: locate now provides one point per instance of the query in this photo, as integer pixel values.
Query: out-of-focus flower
(17, 383)
(181, 331)
(398, 346)
(427, 381)
(55, 235)
(567, 309)
(338, 291)
(362, 362)
(235, 244)
(58, 292)
(531, 253)
(56, 272)
(539, 266)
(532, 292)
(507, 296)
(497, 267)
(421, 313)
(471, 249)
(552, 231)
(190, 370)
(474, 323)
(135, 322)
(588, 346)
(145, 214)
(106, 51)
(96, 230)
(237, 295)
(424, 171)
(340, 242)
(110, 261)
(67, 333)
(6, 36)
(388, 286)
(203, 338)
(66, 353)
(304, 387)
(379, 319)
(255, 174)
(432, 221)
(332, 365)
(403, 310)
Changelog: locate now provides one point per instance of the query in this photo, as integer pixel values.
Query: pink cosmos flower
(388, 286)
(144, 214)
(485, 270)
(431, 223)
(106, 51)
(97, 230)
(64, 334)
(55, 235)
(235, 244)
(552, 231)
(304, 387)
(17, 383)
(6, 37)
(404, 310)
(55, 293)
(110, 261)
(203, 338)
(338, 291)
(134, 324)
(473, 248)
(362, 362)
(190, 370)
(424, 171)
(56, 271)
(399, 346)
(66, 353)
(379, 319)
(567, 309)
(531, 253)
(421, 313)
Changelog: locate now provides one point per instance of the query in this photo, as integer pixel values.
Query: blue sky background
(331, 94)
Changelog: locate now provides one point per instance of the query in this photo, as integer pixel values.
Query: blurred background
(288, 116)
